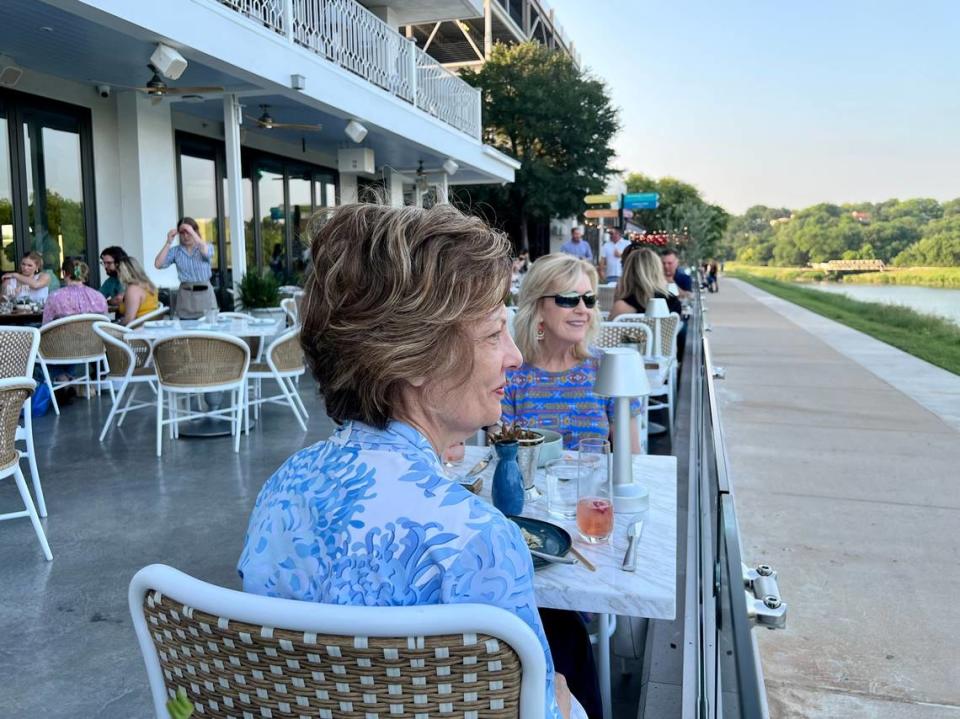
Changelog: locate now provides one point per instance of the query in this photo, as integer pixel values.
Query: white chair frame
(289, 305)
(25, 430)
(425, 620)
(14, 471)
(86, 380)
(238, 389)
(289, 394)
(151, 315)
(129, 380)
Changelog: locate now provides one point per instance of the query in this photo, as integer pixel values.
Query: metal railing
(347, 34)
(725, 600)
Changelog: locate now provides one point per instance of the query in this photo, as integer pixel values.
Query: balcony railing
(346, 33)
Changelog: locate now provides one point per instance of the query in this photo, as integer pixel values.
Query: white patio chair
(284, 362)
(290, 306)
(126, 359)
(14, 393)
(198, 362)
(71, 340)
(151, 315)
(18, 355)
(254, 343)
(241, 654)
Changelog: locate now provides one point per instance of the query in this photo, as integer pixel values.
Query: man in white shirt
(610, 265)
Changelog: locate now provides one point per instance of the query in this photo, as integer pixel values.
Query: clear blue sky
(781, 103)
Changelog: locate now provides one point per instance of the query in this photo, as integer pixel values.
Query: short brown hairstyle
(392, 293)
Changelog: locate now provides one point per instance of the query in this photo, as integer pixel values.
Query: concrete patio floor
(67, 647)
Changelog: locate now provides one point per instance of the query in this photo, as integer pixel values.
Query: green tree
(939, 247)
(556, 119)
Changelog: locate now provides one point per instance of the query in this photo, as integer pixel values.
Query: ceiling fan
(157, 88)
(266, 122)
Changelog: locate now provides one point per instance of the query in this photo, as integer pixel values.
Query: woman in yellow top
(139, 295)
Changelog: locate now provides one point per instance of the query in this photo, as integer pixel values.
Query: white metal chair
(284, 362)
(290, 306)
(71, 340)
(18, 356)
(237, 654)
(14, 393)
(126, 360)
(151, 315)
(198, 362)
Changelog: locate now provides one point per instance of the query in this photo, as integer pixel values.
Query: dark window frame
(18, 107)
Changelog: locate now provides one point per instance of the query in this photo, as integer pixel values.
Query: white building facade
(251, 139)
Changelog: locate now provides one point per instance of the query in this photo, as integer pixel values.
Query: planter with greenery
(259, 291)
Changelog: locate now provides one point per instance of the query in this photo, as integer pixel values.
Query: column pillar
(348, 188)
(394, 187)
(443, 189)
(148, 180)
(232, 117)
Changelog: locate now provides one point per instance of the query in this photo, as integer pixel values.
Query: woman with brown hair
(192, 258)
(404, 328)
(139, 293)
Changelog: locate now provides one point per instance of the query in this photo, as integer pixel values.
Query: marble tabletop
(648, 592)
(235, 327)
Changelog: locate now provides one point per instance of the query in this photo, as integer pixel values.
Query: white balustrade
(346, 33)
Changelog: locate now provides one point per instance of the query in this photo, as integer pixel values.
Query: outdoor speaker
(168, 61)
(355, 131)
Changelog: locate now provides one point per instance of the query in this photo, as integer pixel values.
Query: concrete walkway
(846, 467)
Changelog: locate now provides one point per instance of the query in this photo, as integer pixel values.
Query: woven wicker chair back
(668, 331)
(116, 357)
(12, 398)
(15, 349)
(198, 361)
(287, 356)
(615, 336)
(606, 296)
(70, 340)
(233, 669)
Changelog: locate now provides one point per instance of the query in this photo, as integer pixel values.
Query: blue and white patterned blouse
(369, 518)
(192, 265)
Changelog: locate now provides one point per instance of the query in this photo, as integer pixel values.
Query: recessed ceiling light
(46, 28)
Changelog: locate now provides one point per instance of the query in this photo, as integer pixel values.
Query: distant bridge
(850, 266)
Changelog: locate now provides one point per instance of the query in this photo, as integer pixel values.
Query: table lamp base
(630, 498)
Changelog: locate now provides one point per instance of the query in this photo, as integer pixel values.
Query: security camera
(103, 90)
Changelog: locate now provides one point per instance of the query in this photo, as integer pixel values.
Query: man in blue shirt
(577, 246)
(673, 273)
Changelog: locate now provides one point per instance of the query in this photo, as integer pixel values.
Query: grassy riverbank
(945, 277)
(930, 338)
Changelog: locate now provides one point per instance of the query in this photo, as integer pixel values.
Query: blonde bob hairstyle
(642, 277)
(392, 300)
(550, 275)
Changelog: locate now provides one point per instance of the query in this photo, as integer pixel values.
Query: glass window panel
(272, 220)
(198, 188)
(8, 250)
(55, 195)
(300, 211)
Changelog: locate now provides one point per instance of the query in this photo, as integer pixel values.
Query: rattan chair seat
(229, 668)
(12, 400)
(261, 367)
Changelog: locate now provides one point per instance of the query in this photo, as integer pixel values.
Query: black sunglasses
(570, 300)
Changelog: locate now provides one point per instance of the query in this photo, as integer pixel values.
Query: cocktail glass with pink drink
(594, 491)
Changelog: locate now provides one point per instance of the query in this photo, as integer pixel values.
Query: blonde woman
(557, 319)
(642, 280)
(30, 282)
(139, 294)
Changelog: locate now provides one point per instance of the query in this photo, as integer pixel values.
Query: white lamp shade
(621, 374)
(657, 308)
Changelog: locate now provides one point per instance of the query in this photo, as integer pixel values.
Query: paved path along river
(850, 487)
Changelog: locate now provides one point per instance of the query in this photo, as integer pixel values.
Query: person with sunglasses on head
(557, 319)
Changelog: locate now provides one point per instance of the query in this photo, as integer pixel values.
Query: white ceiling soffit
(412, 12)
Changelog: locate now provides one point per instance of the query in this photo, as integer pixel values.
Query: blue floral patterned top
(369, 518)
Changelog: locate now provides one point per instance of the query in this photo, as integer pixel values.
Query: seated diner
(557, 319)
(406, 368)
(30, 283)
(139, 294)
(642, 280)
(74, 298)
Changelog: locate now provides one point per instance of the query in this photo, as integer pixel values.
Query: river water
(929, 300)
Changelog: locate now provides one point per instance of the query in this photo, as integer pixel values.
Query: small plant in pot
(260, 293)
